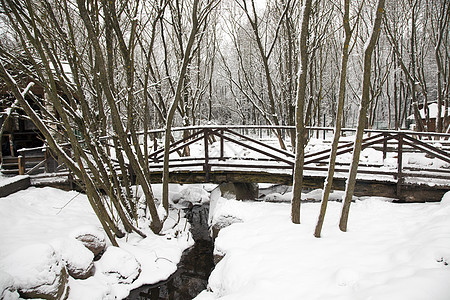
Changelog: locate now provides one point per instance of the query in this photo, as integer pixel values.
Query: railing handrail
(284, 160)
(286, 127)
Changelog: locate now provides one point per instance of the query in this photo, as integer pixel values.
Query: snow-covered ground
(391, 251)
(38, 219)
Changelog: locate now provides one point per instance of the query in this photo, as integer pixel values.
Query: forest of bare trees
(117, 69)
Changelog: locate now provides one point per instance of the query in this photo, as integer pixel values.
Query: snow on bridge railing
(286, 127)
(424, 142)
(159, 132)
(283, 160)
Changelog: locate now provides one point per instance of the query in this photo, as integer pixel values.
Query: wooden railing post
(21, 163)
(132, 174)
(155, 142)
(206, 165)
(324, 131)
(384, 146)
(221, 145)
(50, 162)
(45, 150)
(70, 179)
(11, 144)
(155, 147)
(399, 164)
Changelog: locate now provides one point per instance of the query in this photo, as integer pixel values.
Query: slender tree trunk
(178, 93)
(442, 25)
(337, 131)
(414, 100)
(299, 119)
(351, 181)
(156, 224)
(397, 103)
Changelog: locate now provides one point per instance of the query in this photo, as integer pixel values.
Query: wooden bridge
(244, 154)
(270, 164)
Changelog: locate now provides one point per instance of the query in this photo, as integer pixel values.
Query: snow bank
(391, 251)
(7, 290)
(79, 261)
(37, 271)
(48, 216)
(119, 265)
(445, 202)
(38, 215)
(91, 237)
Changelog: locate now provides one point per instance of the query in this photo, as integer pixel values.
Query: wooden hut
(19, 131)
(432, 113)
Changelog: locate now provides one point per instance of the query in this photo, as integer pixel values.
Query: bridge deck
(269, 164)
(411, 192)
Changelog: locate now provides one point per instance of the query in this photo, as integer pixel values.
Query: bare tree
(346, 50)
(56, 35)
(299, 116)
(199, 16)
(365, 100)
(442, 28)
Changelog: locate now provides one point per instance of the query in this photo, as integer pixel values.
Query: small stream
(193, 269)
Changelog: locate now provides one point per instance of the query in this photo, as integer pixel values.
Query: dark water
(194, 268)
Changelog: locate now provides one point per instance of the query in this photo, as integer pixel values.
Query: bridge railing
(434, 145)
(208, 135)
(270, 157)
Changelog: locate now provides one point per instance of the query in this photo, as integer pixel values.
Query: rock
(193, 195)
(222, 222)
(227, 190)
(266, 189)
(92, 238)
(14, 184)
(445, 202)
(277, 197)
(38, 272)
(239, 190)
(119, 265)
(7, 290)
(79, 261)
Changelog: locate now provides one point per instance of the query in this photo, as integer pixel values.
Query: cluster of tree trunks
(117, 69)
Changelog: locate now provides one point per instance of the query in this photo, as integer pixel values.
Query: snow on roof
(433, 112)
(4, 181)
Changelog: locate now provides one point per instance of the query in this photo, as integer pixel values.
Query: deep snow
(391, 251)
(46, 217)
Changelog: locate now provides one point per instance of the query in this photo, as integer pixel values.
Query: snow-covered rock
(222, 222)
(92, 238)
(192, 195)
(78, 259)
(446, 200)
(369, 155)
(238, 190)
(119, 265)
(7, 290)
(277, 197)
(37, 271)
